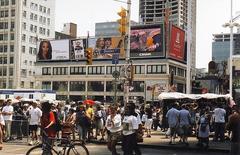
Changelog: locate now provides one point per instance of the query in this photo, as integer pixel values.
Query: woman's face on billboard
(45, 47)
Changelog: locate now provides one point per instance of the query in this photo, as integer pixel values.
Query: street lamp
(231, 24)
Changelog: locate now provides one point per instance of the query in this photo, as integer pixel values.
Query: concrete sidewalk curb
(172, 147)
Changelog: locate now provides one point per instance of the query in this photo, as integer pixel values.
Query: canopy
(91, 102)
(176, 95)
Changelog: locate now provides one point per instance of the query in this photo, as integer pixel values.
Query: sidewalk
(159, 141)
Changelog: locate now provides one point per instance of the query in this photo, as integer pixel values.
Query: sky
(211, 15)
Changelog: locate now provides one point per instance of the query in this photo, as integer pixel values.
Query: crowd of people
(87, 122)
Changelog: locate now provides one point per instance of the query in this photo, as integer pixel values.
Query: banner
(176, 50)
(53, 50)
(147, 41)
(104, 48)
(77, 49)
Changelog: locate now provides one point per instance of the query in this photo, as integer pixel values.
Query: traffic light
(122, 21)
(89, 55)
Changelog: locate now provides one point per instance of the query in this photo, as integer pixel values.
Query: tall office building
(153, 11)
(22, 24)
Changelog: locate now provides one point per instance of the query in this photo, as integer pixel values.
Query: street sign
(115, 58)
(115, 74)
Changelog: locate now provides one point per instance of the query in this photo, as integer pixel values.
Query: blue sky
(211, 15)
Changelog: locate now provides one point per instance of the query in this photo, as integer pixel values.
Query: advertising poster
(77, 49)
(154, 88)
(104, 48)
(177, 43)
(146, 42)
(53, 50)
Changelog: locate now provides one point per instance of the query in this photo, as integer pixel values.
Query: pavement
(158, 140)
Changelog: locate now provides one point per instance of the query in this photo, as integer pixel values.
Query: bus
(33, 94)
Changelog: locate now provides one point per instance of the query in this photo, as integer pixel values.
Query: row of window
(4, 60)
(31, 50)
(4, 25)
(4, 37)
(35, 7)
(138, 86)
(4, 48)
(6, 2)
(95, 70)
(3, 71)
(33, 28)
(5, 13)
(24, 73)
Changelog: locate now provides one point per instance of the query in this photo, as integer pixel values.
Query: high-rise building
(153, 11)
(22, 24)
(70, 29)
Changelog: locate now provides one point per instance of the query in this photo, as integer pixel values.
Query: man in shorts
(35, 114)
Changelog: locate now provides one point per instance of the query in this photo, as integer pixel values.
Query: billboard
(177, 42)
(53, 50)
(147, 41)
(104, 48)
(77, 49)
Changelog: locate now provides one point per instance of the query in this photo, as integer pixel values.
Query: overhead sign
(176, 50)
(104, 48)
(147, 41)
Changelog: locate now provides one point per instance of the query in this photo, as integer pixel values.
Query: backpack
(57, 126)
(203, 125)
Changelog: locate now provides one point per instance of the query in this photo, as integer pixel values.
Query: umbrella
(91, 102)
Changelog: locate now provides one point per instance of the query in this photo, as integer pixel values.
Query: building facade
(153, 11)
(221, 46)
(22, 24)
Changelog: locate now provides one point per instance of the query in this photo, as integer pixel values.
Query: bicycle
(68, 147)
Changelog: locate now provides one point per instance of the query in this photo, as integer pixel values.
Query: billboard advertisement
(147, 41)
(154, 88)
(53, 50)
(104, 48)
(77, 49)
(176, 50)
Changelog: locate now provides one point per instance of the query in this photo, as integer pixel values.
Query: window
(12, 36)
(23, 73)
(156, 69)
(110, 69)
(23, 49)
(12, 25)
(95, 86)
(35, 17)
(10, 71)
(11, 60)
(25, 14)
(31, 16)
(46, 71)
(46, 85)
(48, 11)
(96, 70)
(24, 26)
(13, 2)
(77, 85)
(31, 86)
(22, 84)
(60, 70)
(6, 13)
(11, 48)
(13, 13)
(24, 37)
(139, 69)
(30, 50)
(77, 70)
(25, 2)
(60, 86)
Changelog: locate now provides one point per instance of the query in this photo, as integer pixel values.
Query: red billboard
(176, 50)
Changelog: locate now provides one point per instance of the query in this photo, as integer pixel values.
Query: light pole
(231, 24)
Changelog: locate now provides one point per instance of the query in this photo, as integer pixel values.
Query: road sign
(115, 74)
(115, 58)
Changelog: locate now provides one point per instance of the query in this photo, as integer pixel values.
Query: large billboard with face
(176, 50)
(147, 41)
(53, 50)
(104, 48)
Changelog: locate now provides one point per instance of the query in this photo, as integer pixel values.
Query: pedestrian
(35, 115)
(2, 123)
(98, 119)
(7, 113)
(219, 122)
(149, 121)
(173, 121)
(114, 128)
(69, 124)
(234, 126)
(184, 122)
(47, 122)
(130, 126)
(204, 129)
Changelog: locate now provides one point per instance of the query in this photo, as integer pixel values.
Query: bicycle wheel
(78, 149)
(36, 150)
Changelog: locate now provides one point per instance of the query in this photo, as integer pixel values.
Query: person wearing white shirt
(219, 122)
(35, 114)
(114, 128)
(7, 113)
(130, 126)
